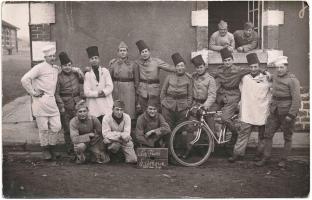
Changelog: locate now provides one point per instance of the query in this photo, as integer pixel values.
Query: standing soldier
(228, 77)
(123, 75)
(148, 69)
(176, 94)
(98, 86)
(204, 86)
(40, 83)
(254, 107)
(68, 92)
(284, 107)
(151, 128)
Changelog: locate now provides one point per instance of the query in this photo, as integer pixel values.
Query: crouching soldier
(116, 129)
(176, 94)
(151, 127)
(86, 134)
(68, 92)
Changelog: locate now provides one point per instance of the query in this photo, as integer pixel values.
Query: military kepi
(226, 53)
(92, 51)
(141, 45)
(252, 58)
(198, 61)
(64, 58)
(177, 58)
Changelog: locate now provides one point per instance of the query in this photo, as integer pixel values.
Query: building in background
(9, 38)
(168, 27)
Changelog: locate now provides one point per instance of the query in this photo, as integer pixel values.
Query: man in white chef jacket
(40, 83)
(98, 86)
(254, 107)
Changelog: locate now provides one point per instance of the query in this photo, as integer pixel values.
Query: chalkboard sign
(152, 158)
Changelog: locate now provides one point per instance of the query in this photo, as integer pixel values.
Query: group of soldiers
(99, 108)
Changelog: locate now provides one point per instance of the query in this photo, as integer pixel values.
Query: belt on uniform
(123, 79)
(282, 98)
(153, 81)
(69, 95)
(179, 96)
(199, 100)
(229, 88)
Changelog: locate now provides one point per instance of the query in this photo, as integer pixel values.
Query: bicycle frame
(219, 139)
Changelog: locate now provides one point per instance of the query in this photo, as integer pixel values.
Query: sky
(17, 15)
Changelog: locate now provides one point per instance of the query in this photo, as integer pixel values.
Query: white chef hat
(280, 60)
(48, 50)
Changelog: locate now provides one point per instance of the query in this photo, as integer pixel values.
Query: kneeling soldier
(116, 129)
(151, 127)
(85, 132)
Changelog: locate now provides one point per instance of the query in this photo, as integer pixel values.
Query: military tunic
(146, 123)
(148, 83)
(285, 102)
(123, 76)
(247, 43)
(176, 96)
(218, 42)
(68, 92)
(79, 133)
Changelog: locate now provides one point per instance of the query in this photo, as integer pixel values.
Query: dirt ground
(26, 176)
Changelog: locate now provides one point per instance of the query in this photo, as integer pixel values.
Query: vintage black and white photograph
(155, 99)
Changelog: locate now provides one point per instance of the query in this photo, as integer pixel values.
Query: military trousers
(274, 122)
(127, 149)
(97, 150)
(244, 132)
(65, 119)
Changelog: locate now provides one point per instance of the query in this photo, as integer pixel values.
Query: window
(254, 16)
(235, 14)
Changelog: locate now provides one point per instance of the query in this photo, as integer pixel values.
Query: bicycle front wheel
(191, 143)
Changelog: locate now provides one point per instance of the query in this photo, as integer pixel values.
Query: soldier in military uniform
(228, 77)
(148, 68)
(247, 39)
(86, 134)
(254, 107)
(204, 87)
(123, 76)
(68, 92)
(284, 107)
(177, 93)
(151, 128)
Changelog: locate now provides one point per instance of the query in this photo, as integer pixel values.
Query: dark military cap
(141, 45)
(92, 51)
(226, 53)
(119, 104)
(252, 58)
(64, 58)
(198, 60)
(177, 58)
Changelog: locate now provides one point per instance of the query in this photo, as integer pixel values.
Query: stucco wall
(164, 26)
(294, 39)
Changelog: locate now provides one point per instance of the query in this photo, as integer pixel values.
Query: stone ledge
(215, 57)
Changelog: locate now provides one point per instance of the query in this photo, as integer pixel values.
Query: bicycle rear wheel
(191, 143)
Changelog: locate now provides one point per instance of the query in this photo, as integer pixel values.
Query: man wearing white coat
(98, 86)
(254, 107)
(40, 83)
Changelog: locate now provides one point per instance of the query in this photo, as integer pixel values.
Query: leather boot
(46, 153)
(55, 154)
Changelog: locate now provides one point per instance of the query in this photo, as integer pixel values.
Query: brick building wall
(303, 118)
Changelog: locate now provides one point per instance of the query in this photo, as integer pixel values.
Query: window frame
(257, 27)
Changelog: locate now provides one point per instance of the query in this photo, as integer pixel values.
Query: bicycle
(192, 141)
